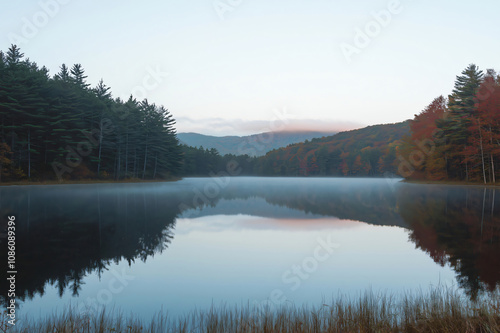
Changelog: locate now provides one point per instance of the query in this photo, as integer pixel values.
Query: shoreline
(450, 183)
(133, 181)
(84, 182)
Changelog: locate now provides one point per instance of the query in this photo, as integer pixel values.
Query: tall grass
(439, 310)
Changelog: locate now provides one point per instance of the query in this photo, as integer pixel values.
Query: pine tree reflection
(459, 227)
(64, 235)
(67, 233)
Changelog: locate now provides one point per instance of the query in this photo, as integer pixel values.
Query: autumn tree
(488, 120)
(424, 149)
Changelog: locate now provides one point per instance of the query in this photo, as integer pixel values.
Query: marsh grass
(439, 310)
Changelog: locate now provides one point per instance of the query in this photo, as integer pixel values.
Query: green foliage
(58, 127)
(208, 162)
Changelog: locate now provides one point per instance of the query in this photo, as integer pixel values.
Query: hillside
(370, 151)
(252, 145)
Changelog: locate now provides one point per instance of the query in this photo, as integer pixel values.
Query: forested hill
(458, 138)
(59, 127)
(370, 151)
(251, 145)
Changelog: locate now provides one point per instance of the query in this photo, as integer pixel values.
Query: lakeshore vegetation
(439, 310)
(457, 138)
(59, 128)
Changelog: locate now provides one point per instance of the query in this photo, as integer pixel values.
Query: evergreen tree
(60, 125)
(78, 76)
(462, 106)
(63, 74)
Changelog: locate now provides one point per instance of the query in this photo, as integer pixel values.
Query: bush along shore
(439, 310)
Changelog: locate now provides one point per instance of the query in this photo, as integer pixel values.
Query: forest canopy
(58, 127)
(457, 138)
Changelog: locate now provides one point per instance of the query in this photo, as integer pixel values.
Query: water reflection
(459, 227)
(369, 200)
(68, 232)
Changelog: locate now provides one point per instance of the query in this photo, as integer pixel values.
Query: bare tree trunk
(100, 149)
(482, 216)
(114, 167)
(12, 141)
(493, 202)
(45, 153)
(29, 154)
(446, 164)
(145, 160)
(119, 163)
(482, 151)
(466, 171)
(156, 163)
(126, 157)
(492, 159)
(135, 163)
(493, 168)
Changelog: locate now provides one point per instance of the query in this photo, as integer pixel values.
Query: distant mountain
(252, 145)
(369, 151)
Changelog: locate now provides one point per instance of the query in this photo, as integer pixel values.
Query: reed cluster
(439, 310)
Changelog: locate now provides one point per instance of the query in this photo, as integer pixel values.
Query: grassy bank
(435, 311)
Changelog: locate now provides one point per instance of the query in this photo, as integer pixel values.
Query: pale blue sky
(231, 75)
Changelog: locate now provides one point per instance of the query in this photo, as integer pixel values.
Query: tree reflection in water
(459, 226)
(67, 232)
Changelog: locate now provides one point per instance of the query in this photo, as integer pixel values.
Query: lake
(180, 246)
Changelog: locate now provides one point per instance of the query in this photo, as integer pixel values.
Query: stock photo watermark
(364, 36)
(223, 7)
(31, 26)
(222, 179)
(299, 273)
(115, 285)
(417, 157)
(11, 270)
(153, 78)
(74, 155)
(253, 146)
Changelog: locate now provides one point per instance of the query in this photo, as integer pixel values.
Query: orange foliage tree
(424, 151)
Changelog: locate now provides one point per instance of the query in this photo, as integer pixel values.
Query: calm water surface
(186, 245)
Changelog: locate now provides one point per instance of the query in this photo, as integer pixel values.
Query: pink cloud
(240, 127)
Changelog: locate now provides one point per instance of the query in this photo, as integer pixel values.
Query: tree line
(59, 127)
(457, 138)
(366, 152)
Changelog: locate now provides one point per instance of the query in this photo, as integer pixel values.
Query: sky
(238, 67)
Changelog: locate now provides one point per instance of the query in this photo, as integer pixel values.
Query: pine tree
(78, 76)
(59, 124)
(462, 106)
(63, 74)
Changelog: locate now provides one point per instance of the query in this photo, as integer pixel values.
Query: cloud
(241, 127)
(222, 223)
